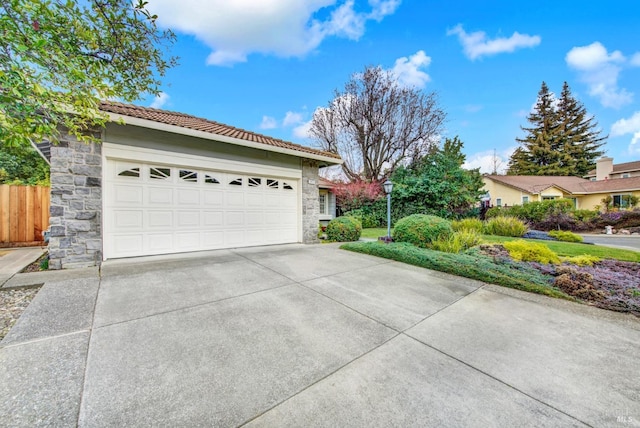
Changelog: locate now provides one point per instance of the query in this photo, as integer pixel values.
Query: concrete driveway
(310, 336)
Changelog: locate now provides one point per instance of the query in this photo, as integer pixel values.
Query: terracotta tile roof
(534, 184)
(199, 124)
(620, 167)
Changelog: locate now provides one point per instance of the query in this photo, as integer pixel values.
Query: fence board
(24, 213)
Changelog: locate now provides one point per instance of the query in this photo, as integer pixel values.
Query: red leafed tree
(355, 194)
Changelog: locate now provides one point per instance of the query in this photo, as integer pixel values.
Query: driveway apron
(299, 335)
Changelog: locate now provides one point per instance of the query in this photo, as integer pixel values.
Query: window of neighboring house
(525, 200)
(499, 202)
(575, 202)
(626, 175)
(549, 198)
(593, 179)
(621, 201)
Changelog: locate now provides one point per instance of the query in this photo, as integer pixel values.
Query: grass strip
(469, 265)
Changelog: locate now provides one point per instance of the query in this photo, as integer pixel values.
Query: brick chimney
(604, 167)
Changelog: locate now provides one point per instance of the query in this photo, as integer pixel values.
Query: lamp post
(388, 187)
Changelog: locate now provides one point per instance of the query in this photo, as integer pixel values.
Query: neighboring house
(327, 201)
(162, 182)
(507, 190)
(607, 170)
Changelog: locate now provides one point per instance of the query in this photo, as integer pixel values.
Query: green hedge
(344, 229)
(421, 229)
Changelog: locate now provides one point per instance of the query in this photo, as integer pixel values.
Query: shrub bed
(505, 226)
(566, 236)
(472, 264)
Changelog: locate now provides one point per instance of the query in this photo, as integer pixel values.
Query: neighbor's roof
(535, 184)
(619, 168)
(189, 122)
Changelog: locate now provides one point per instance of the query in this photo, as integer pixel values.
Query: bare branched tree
(376, 123)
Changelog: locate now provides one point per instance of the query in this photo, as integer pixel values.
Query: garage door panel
(159, 195)
(128, 219)
(188, 240)
(213, 219)
(160, 209)
(157, 219)
(159, 243)
(188, 219)
(234, 218)
(126, 194)
(188, 196)
(128, 244)
(213, 198)
(234, 199)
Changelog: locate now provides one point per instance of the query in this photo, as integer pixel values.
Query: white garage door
(161, 209)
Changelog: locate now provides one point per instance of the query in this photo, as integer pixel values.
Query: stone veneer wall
(310, 202)
(76, 205)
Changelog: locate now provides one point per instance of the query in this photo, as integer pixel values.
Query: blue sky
(266, 65)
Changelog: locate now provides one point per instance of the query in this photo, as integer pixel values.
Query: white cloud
(629, 126)
(489, 160)
(635, 60)
(477, 44)
(268, 122)
(473, 108)
(302, 130)
(286, 28)
(600, 70)
(160, 100)
(408, 70)
(292, 118)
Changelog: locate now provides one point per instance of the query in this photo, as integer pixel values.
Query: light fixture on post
(388, 188)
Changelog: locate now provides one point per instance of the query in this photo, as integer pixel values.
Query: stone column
(76, 205)
(310, 202)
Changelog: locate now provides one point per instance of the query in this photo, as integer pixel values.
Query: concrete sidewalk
(16, 260)
(300, 335)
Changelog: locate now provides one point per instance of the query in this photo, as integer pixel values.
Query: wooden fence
(24, 214)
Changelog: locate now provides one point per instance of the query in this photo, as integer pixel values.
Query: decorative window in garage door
(188, 176)
(286, 186)
(254, 181)
(159, 173)
(236, 182)
(210, 179)
(272, 184)
(130, 172)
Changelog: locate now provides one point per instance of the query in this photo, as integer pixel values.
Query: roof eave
(150, 124)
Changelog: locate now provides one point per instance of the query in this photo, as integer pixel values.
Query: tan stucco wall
(509, 195)
(589, 202)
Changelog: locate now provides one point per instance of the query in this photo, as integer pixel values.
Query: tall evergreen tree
(581, 138)
(562, 140)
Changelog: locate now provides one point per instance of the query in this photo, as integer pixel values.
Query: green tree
(580, 137)
(437, 184)
(562, 140)
(22, 165)
(60, 58)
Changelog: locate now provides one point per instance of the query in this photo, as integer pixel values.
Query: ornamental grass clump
(421, 229)
(467, 224)
(505, 226)
(457, 242)
(344, 229)
(566, 236)
(524, 251)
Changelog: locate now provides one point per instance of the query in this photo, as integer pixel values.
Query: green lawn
(570, 249)
(374, 232)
